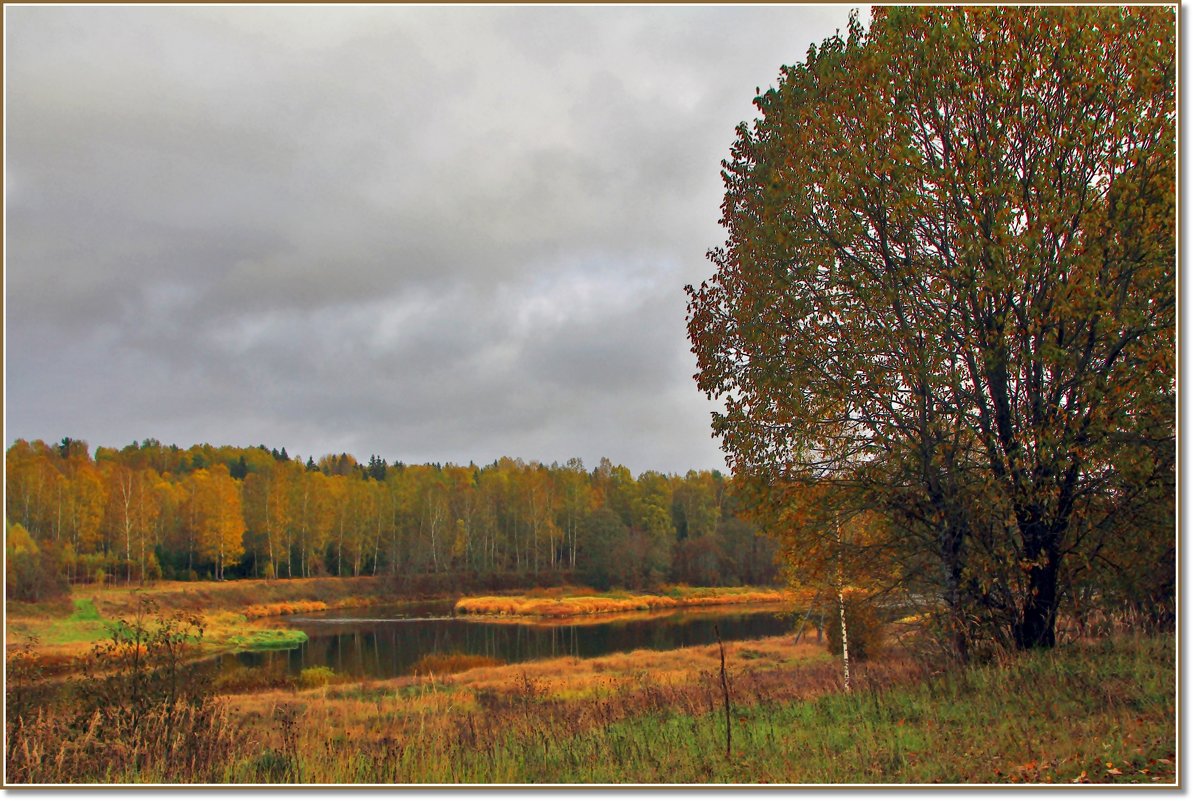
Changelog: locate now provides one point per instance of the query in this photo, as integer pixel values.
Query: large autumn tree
(948, 291)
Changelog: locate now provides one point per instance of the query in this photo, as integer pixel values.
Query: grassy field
(235, 614)
(1100, 712)
(1094, 711)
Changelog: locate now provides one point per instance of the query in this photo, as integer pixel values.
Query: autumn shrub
(137, 712)
(153, 569)
(140, 667)
(318, 676)
(863, 626)
(32, 573)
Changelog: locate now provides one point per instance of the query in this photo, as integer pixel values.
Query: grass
(267, 639)
(572, 604)
(1087, 712)
(1101, 712)
(65, 630)
(84, 625)
(254, 597)
(60, 638)
(290, 608)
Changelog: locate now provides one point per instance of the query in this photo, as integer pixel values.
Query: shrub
(318, 676)
(137, 712)
(153, 568)
(33, 573)
(865, 630)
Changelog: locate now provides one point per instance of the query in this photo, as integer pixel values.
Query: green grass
(268, 639)
(85, 610)
(83, 625)
(1102, 713)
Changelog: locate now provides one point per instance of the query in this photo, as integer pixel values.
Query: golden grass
(239, 595)
(605, 618)
(555, 698)
(657, 717)
(572, 677)
(283, 608)
(594, 604)
(564, 678)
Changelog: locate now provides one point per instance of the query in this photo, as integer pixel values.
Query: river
(387, 641)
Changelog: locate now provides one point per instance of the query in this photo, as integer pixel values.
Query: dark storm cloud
(430, 233)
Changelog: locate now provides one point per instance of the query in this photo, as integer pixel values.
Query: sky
(434, 234)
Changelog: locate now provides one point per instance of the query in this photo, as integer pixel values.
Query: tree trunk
(841, 603)
(1036, 627)
(951, 539)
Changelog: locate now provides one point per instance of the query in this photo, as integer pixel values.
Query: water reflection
(383, 643)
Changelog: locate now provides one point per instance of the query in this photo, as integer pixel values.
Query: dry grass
(436, 728)
(563, 689)
(1102, 713)
(243, 594)
(657, 717)
(575, 605)
(571, 677)
(183, 743)
(284, 608)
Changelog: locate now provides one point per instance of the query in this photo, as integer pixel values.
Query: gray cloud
(437, 234)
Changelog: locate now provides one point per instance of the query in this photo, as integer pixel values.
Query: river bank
(249, 614)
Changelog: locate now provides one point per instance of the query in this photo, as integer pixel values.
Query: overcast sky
(433, 234)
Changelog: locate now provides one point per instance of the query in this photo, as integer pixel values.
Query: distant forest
(151, 511)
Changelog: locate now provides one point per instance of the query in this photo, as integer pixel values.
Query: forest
(150, 511)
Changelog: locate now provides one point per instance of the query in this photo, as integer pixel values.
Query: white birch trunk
(841, 601)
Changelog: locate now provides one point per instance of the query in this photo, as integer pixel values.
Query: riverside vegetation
(644, 716)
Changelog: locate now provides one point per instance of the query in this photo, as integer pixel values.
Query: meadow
(1092, 710)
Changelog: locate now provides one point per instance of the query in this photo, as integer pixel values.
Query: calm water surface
(387, 641)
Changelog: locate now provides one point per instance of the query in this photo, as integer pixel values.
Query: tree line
(150, 511)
